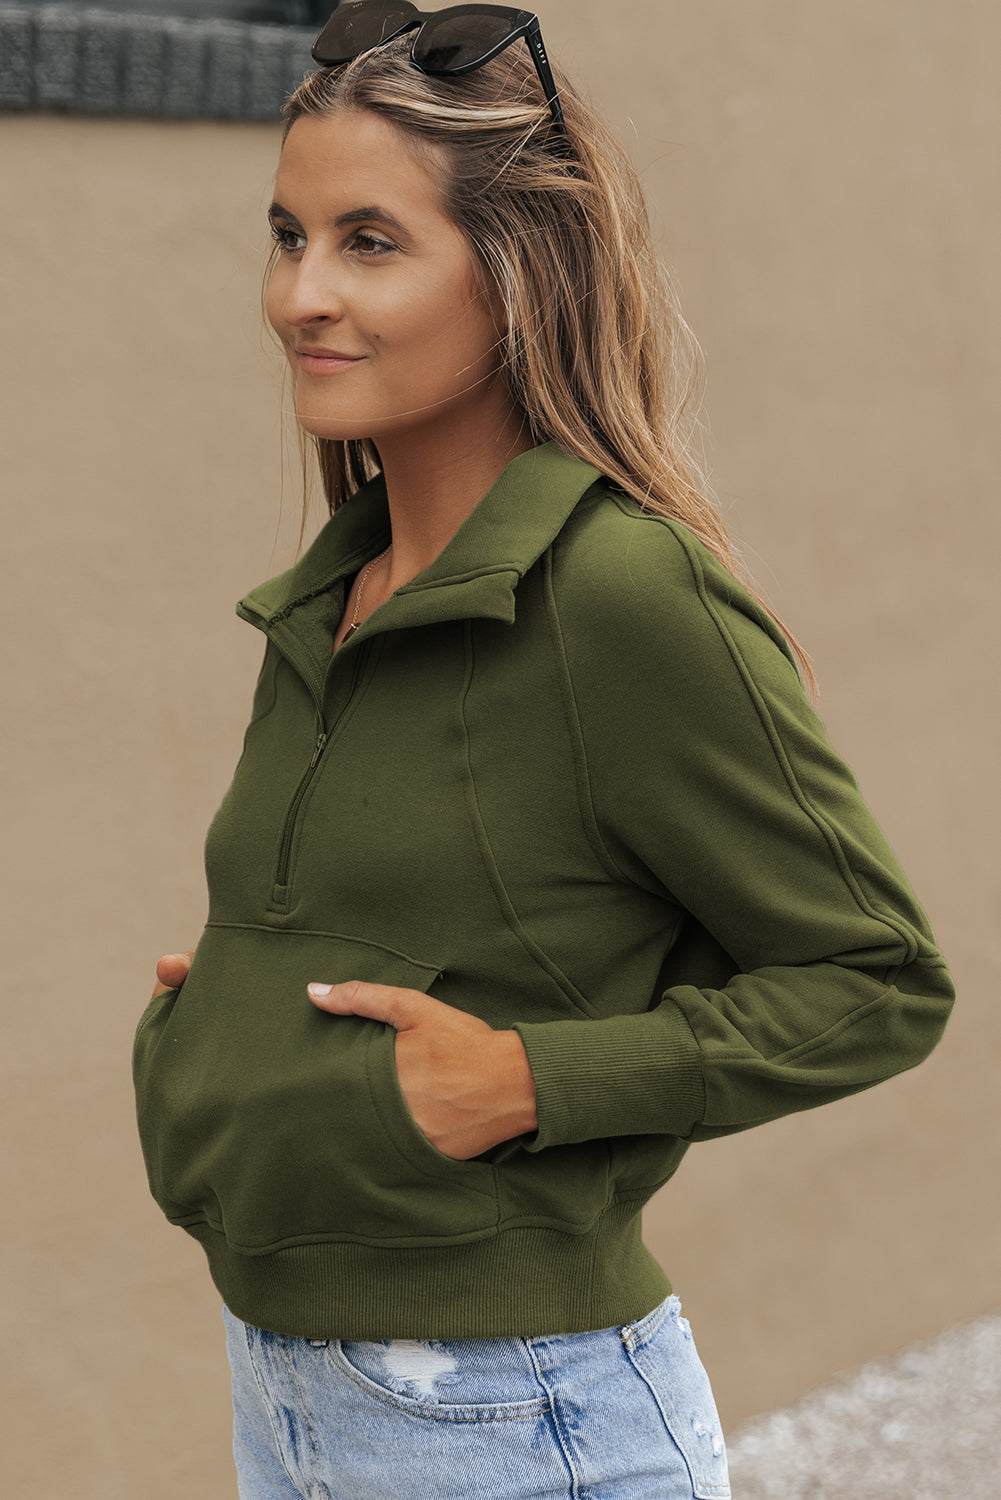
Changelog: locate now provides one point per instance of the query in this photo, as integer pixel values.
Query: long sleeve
(712, 779)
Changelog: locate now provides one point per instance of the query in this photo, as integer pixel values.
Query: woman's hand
(467, 1086)
(172, 971)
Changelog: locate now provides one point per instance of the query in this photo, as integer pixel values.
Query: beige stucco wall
(824, 180)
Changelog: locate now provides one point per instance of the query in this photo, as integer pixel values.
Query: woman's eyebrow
(363, 215)
(276, 211)
(353, 216)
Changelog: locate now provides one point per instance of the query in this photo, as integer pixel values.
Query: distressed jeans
(621, 1414)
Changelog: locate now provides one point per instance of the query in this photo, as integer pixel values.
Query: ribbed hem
(518, 1283)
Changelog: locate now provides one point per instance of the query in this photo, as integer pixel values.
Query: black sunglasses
(455, 40)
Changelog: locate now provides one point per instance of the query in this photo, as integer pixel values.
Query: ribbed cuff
(624, 1075)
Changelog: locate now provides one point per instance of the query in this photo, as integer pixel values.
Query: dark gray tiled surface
(53, 57)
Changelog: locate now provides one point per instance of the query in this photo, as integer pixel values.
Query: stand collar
(477, 572)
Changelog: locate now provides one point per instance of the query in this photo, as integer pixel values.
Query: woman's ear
(498, 309)
(485, 287)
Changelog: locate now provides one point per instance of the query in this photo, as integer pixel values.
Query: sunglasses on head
(451, 41)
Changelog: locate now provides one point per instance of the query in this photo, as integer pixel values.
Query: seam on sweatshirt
(851, 881)
(585, 798)
(468, 576)
(329, 1237)
(816, 1043)
(737, 1054)
(501, 896)
(323, 932)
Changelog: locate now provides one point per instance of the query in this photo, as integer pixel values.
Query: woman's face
(374, 293)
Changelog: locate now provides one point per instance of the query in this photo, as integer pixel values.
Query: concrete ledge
(924, 1425)
(104, 62)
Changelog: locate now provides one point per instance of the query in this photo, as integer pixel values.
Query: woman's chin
(334, 431)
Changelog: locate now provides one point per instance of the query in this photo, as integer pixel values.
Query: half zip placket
(352, 661)
(279, 891)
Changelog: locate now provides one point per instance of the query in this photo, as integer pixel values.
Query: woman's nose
(312, 292)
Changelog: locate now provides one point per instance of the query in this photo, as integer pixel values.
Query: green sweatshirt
(566, 780)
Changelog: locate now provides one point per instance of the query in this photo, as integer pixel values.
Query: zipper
(291, 817)
(280, 892)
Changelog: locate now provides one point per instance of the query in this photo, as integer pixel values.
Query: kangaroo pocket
(277, 1123)
(564, 1187)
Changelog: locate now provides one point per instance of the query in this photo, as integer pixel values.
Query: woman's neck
(432, 492)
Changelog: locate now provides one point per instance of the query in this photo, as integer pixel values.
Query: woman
(537, 865)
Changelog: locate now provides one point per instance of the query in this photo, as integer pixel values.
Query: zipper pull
(318, 750)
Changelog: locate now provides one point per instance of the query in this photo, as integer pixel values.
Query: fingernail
(319, 991)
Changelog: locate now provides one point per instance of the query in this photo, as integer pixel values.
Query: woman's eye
(370, 245)
(286, 238)
(292, 241)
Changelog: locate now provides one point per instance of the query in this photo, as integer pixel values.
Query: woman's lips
(326, 361)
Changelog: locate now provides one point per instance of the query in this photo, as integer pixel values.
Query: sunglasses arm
(537, 47)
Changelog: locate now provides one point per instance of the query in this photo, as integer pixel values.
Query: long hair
(596, 352)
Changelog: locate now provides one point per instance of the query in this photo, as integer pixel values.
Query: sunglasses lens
(354, 28)
(450, 44)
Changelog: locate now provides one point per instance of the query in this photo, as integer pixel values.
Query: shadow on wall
(189, 59)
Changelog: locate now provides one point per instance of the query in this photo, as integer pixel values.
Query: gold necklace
(355, 622)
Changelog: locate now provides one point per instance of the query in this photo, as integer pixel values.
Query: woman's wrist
(516, 1085)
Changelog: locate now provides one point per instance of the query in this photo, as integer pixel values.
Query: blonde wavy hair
(596, 352)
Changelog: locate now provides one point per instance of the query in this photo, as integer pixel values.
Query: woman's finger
(401, 1009)
(172, 969)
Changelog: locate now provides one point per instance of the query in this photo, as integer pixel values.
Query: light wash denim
(621, 1414)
